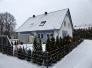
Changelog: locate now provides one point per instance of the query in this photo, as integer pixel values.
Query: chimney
(33, 16)
(46, 13)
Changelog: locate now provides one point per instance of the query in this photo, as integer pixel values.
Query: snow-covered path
(80, 57)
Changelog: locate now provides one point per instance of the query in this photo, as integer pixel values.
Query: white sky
(81, 10)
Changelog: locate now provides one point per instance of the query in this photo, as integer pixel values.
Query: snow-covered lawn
(13, 62)
(29, 46)
(80, 57)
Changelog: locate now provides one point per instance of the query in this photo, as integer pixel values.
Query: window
(38, 35)
(41, 35)
(42, 23)
(47, 35)
(51, 35)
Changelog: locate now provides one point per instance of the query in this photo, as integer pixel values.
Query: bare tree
(1, 24)
(7, 22)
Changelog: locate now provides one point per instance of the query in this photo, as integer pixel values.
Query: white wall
(23, 37)
(56, 33)
(67, 28)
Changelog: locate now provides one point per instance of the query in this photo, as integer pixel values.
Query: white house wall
(67, 28)
(44, 39)
(23, 37)
(27, 36)
(56, 33)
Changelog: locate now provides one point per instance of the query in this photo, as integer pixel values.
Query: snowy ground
(80, 57)
(29, 46)
(13, 62)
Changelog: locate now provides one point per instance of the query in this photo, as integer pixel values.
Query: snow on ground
(13, 62)
(80, 57)
(30, 46)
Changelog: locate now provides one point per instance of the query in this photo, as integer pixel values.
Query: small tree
(40, 52)
(39, 45)
(37, 51)
(35, 44)
(53, 43)
(61, 42)
(29, 55)
(57, 42)
(15, 43)
(68, 39)
(34, 50)
(7, 22)
(23, 53)
(48, 45)
(20, 53)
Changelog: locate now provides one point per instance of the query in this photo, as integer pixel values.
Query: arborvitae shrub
(57, 43)
(21, 43)
(48, 46)
(37, 51)
(17, 42)
(34, 50)
(34, 57)
(23, 53)
(35, 44)
(53, 47)
(28, 55)
(20, 53)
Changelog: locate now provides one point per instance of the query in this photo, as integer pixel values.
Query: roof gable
(49, 21)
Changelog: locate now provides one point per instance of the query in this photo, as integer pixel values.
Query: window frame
(41, 35)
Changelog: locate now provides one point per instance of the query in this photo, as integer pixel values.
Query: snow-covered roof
(49, 21)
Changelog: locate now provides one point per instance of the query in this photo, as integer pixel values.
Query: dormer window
(42, 23)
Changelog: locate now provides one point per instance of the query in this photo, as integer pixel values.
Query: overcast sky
(81, 10)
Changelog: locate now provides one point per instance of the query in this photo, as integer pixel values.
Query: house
(57, 23)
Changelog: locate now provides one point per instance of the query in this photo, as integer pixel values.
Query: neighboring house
(58, 23)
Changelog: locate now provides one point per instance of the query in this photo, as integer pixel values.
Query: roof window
(42, 23)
